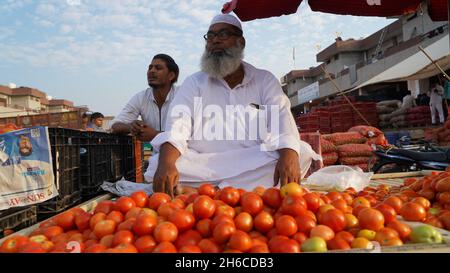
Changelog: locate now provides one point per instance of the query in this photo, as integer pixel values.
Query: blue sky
(96, 52)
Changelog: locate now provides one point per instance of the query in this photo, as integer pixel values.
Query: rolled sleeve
(179, 119)
(131, 111)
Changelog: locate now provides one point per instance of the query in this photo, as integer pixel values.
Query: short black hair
(96, 115)
(171, 64)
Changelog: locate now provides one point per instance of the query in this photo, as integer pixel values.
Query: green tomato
(314, 244)
(434, 211)
(426, 234)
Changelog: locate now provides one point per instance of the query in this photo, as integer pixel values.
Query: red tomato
(272, 198)
(370, 218)
(189, 249)
(360, 201)
(82, 221)
(223, 231)
(422, 201)
(312, 201)
(263, 222)
(204, 227)
(337, 244)
(388, 212)
(95, 248)
(133, 213)
(188, 238)
(166, 209)
(244, 222)
(252, 203)
(395, 202)
(51, 232)
(124, 204)
(221, 219)
(334, 219)
(241, 241)
(105, 206)
(157, 199)
(207, 189)
(182, 219)
(165, 247)
(107, 240)
(286, 225)
(340, 204)
(402, 229)
(413, 212)
(226, 210)
(384, 235)
(322, 231)
(260, 249)
(208, 246)
(66, 220)
(204, 207)
(334, 195)
(140, 198)
(293, 205)
(191, 198)
(300, 237)
(127, 225)
(104, 227)
(230, 196)
(144, 225)
(145, 244)
(116, 216)
(123, 237)
(282, 244)
(13, 244)
(165, 232)
(305, 223)
(346, 236)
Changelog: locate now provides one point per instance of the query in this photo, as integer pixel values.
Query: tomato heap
(424, 200)
(230, 220)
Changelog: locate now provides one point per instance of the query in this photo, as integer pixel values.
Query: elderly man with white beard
(208, 137)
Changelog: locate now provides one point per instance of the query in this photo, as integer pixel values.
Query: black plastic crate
(128, 160)
(65, 149)
(57, 205)
(17, 218)
(95, 155)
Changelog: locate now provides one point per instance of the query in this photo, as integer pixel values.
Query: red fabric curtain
(248, 10)
(438, 10)
(365, 7)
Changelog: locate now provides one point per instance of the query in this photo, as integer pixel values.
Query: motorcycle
(406, 158)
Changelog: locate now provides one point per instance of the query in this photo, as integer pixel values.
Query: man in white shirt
(436, 95)
(151, 104)
(194, 149)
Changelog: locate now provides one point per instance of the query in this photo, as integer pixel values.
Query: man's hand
(288, 168)
(165, 179)
(136, 127)
(166, 176)
(147, 134)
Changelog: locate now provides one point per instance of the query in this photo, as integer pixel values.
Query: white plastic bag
(338, 178)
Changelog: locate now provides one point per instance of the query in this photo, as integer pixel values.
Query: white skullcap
(227, 19)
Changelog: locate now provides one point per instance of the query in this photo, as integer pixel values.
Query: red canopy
(382, 8)
(248, 10)
(438, 10)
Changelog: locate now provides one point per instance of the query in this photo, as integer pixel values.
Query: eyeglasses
(222, 35)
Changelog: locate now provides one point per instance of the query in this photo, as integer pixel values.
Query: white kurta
(241, 163)
(144, 104)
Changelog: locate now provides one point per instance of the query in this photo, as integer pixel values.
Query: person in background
(96, 123)
(85, 118)
(151, 104)
(436, 95)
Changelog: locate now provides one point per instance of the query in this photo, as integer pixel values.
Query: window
(336, 57)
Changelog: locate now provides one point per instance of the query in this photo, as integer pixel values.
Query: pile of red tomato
(290, 219)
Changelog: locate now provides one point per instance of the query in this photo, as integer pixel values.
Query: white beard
(220, 65)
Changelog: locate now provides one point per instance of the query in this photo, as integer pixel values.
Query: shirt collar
(169, 97)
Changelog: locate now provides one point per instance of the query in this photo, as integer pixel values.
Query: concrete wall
(294, 85)
(11, 112)
(344, 60)
(29, 102)
(58, 108)
(418, 25)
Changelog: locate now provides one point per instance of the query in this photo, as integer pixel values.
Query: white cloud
(65, 29)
